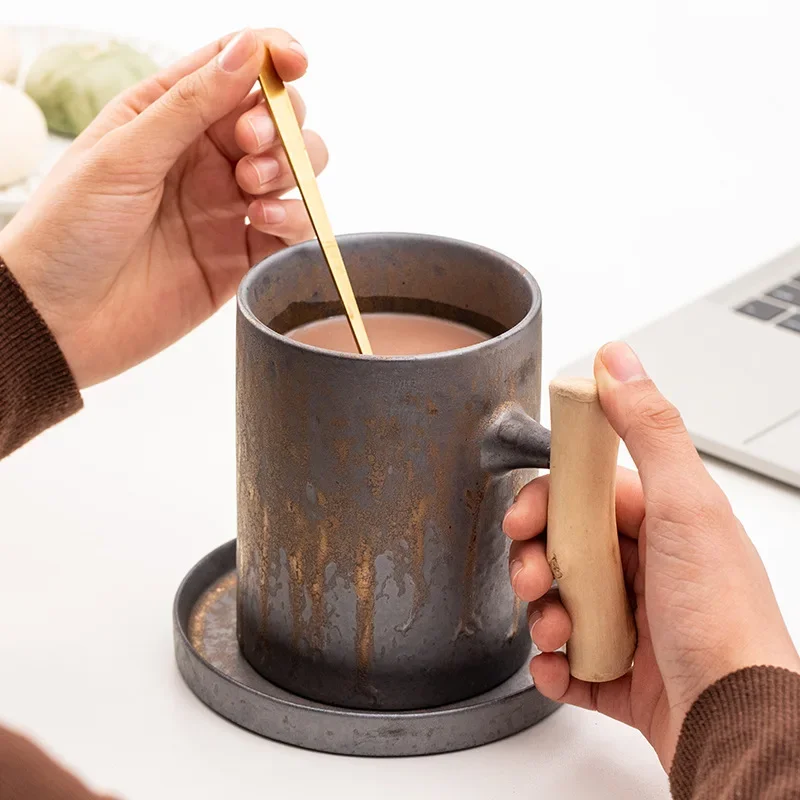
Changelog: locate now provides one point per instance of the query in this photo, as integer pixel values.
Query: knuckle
(189, 96)
(185, 91)
(696, 508)
(104, 160)
(717, 514)
(653, 412)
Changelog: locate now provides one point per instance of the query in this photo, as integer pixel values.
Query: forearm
(741, 739)
(37, 389)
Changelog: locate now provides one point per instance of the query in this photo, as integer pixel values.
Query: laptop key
(760, 310)
(787, 293)
(792, 323)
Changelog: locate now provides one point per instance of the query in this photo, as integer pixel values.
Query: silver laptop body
(731, 363)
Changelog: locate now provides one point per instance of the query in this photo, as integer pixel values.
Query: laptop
(730, 362)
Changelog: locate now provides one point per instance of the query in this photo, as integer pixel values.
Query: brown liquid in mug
(390, 334)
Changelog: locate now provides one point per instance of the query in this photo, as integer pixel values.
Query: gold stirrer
(280, 106)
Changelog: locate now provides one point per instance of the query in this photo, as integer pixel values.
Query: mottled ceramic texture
(211, 663)
(372, 569)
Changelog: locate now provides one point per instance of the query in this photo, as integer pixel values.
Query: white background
(632, 155)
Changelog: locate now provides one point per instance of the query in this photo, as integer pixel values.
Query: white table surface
(633, 155)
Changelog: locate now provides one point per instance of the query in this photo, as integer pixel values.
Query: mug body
(372, 568)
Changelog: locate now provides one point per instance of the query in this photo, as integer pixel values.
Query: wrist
(37, 387)
(29, 266)
(758, 649)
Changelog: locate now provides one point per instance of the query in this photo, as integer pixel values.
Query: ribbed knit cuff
(741, 738)
(37, 389)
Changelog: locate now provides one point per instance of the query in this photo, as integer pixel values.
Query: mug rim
(254, 272)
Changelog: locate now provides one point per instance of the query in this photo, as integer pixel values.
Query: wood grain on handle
(280, 106)
(582, 543)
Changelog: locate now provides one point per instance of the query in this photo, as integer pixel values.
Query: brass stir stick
(280, 106)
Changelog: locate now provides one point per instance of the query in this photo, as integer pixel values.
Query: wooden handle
(280, 106)
(582, 543)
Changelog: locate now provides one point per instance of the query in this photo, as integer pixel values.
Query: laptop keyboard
(779, 306)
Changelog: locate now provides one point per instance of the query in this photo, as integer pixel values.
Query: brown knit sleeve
(741, 739)
(37, 389)
(26, 773)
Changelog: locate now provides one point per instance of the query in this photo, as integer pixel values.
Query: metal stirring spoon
(280, 106)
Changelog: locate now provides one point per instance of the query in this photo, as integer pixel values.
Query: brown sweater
(36, 386)
(740, 739)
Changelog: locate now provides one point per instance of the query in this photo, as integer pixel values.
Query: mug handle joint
(515, 440)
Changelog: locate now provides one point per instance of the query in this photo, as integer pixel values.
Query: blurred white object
(30, 41)
(23, 137)
(9, 56)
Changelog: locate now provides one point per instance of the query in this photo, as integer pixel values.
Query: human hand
(139, 234)
(704, 606)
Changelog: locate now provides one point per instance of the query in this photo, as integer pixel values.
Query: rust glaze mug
(372, 569)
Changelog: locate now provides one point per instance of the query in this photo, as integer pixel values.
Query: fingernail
(298, 48)
(274, 214)
(534, 617)
(263, 129)
(621, 362)
(266, 169)
(509, 515)
(238, 51)
(514, 569)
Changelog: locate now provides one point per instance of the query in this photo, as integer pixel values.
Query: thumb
(645, 420)
(166, 128)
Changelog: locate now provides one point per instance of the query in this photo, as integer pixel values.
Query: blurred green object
(72, 83)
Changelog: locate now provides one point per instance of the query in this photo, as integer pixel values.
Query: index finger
(527, 517)
(287, 55)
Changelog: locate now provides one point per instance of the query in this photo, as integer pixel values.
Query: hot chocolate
(391, 334)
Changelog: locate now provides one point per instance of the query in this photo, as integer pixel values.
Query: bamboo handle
(280, 106)
(582, 543)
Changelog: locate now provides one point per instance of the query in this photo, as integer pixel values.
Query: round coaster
(204, 622)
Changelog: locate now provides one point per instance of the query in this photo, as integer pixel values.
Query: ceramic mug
(372, 569)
